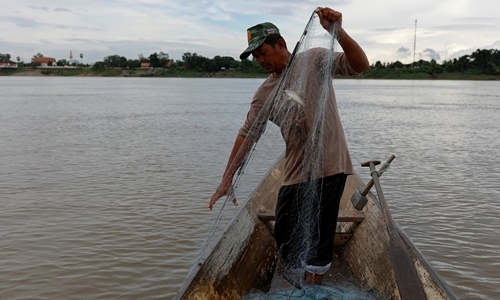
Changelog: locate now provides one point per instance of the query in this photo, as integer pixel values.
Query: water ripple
(105, 182)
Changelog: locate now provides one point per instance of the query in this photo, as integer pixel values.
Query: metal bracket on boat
(358, 198)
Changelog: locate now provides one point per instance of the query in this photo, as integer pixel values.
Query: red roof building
(8, 64)
(44, 61)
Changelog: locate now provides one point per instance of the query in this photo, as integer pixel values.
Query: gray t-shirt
(296, 124)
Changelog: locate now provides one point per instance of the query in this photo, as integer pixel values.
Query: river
(104, 182)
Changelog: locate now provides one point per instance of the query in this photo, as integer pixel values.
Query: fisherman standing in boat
(269, 49)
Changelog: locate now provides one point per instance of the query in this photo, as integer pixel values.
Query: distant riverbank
(124, 72)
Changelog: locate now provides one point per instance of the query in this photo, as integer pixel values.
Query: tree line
(190, 61)
(62, 62)
(479, 62)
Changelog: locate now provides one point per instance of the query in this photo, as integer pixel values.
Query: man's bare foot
(312, 278)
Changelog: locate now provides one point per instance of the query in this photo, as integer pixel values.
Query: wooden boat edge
(368, 253)
(200, 286)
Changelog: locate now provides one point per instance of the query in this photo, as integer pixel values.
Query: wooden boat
(245, 256)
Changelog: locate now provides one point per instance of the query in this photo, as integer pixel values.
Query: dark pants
(306, 219)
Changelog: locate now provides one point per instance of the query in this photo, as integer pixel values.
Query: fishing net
(301, 107)
(337, 292)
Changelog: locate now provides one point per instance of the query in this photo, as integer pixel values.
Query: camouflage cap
(257, 35)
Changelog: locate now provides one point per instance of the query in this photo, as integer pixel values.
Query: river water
(104, 182)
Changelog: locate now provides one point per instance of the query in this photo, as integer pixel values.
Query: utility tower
(415, 41)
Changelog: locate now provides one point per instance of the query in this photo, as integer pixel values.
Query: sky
(385, 29)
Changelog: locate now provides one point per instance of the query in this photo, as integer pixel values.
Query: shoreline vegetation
(482, 64)
(371, 73)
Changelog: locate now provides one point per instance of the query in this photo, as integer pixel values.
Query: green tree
(99, 65)
(379, 65)
(38, 55)
(62, 62)
(463, 63)
(179, 63)
(115, 61)
(395, 65)
(154, 60)
(225, 62)
(186, 58)
(193, 61)
(5, 57)
(449, 65)
(251, 66)
(485, 61)
(246, 65)
(421, 64)
(159, 60)
(164, 58)
(434, 68)
(210, 65)
(133, 63)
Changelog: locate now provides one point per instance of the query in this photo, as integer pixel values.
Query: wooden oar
(407, 279)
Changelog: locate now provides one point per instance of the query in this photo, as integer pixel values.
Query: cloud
(45, 8)
(29, 23)
(22, 22)
(62, 9)
(129, 27)
(463, 27)
(430, 53)
(403, 52)
(388, 29)
(468, 51)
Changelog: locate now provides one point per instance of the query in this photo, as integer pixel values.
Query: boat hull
(245, 256)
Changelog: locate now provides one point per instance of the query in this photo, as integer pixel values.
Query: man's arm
(240, 149)
(354, 53)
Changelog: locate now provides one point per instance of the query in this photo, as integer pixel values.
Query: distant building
(8, 65)
(44, 61)
(145, 65)
(70, 57)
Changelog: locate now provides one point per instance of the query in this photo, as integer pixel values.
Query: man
(269, 49)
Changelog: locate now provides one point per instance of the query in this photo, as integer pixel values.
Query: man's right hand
(225, 188)
(328, 16)
(234, 162)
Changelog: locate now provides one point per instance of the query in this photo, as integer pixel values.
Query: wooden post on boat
(407, 279)
(358, 199)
